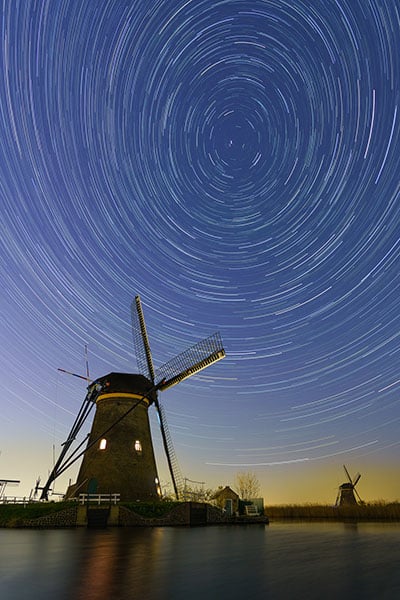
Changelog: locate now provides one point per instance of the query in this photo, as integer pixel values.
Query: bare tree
(197, 493)
(247, 485)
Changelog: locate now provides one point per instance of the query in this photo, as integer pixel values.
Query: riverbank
(52, 515)
(55, 515)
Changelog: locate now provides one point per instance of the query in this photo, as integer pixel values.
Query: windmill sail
(176, 475)
(191, 361)
(141, 341)
(348, 474)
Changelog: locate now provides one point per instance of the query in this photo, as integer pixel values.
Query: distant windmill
(119, 455)
(345, 496)
(34, 492)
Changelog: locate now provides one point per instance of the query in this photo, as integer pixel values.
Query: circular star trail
(234, 162)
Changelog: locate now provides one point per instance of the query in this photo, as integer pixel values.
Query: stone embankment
(54, 520)
(184, 514)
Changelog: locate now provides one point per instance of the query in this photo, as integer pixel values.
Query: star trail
(236, 163)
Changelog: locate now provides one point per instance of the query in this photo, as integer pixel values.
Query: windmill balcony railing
(99, 499)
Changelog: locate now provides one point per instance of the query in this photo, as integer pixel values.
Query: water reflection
(310, 561)
(113, 562)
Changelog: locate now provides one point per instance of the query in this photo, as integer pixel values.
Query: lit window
(103, 444)
(138, 446)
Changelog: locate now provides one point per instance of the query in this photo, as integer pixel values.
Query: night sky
(237, 164)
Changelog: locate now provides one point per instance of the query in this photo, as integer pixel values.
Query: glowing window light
(103, 444)
(138, 446)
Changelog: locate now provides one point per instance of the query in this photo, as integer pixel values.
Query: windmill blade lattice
(176, 475)
(348, 474)
(190, 362)
(358, 496)
(141, 341)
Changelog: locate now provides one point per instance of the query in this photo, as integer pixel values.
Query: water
(280, 561)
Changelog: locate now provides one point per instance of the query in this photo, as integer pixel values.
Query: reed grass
(374, 511)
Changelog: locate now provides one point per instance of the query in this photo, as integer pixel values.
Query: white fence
(16, 500)
(83, 499)
(99, 498)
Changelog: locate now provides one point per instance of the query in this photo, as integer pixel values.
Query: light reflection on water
(325, 560)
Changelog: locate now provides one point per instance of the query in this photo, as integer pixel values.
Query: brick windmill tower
(119, 455)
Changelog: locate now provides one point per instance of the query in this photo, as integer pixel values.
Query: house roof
(226, 490)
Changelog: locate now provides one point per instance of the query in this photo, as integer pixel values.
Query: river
(279, 561)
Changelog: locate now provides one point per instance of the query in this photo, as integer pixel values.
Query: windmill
(345, 496)
(34, 491)
(119, 455)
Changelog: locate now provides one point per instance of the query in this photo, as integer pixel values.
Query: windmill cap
(126, 383)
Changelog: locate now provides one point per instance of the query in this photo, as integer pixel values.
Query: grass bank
(150, 510)
(16, 515)
(12, 515)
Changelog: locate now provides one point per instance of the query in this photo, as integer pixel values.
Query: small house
(227, 499)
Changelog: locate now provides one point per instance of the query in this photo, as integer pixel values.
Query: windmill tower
(119, 455)
(347, 491)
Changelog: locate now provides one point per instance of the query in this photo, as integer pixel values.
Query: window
(103, 444)
(138, 447)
